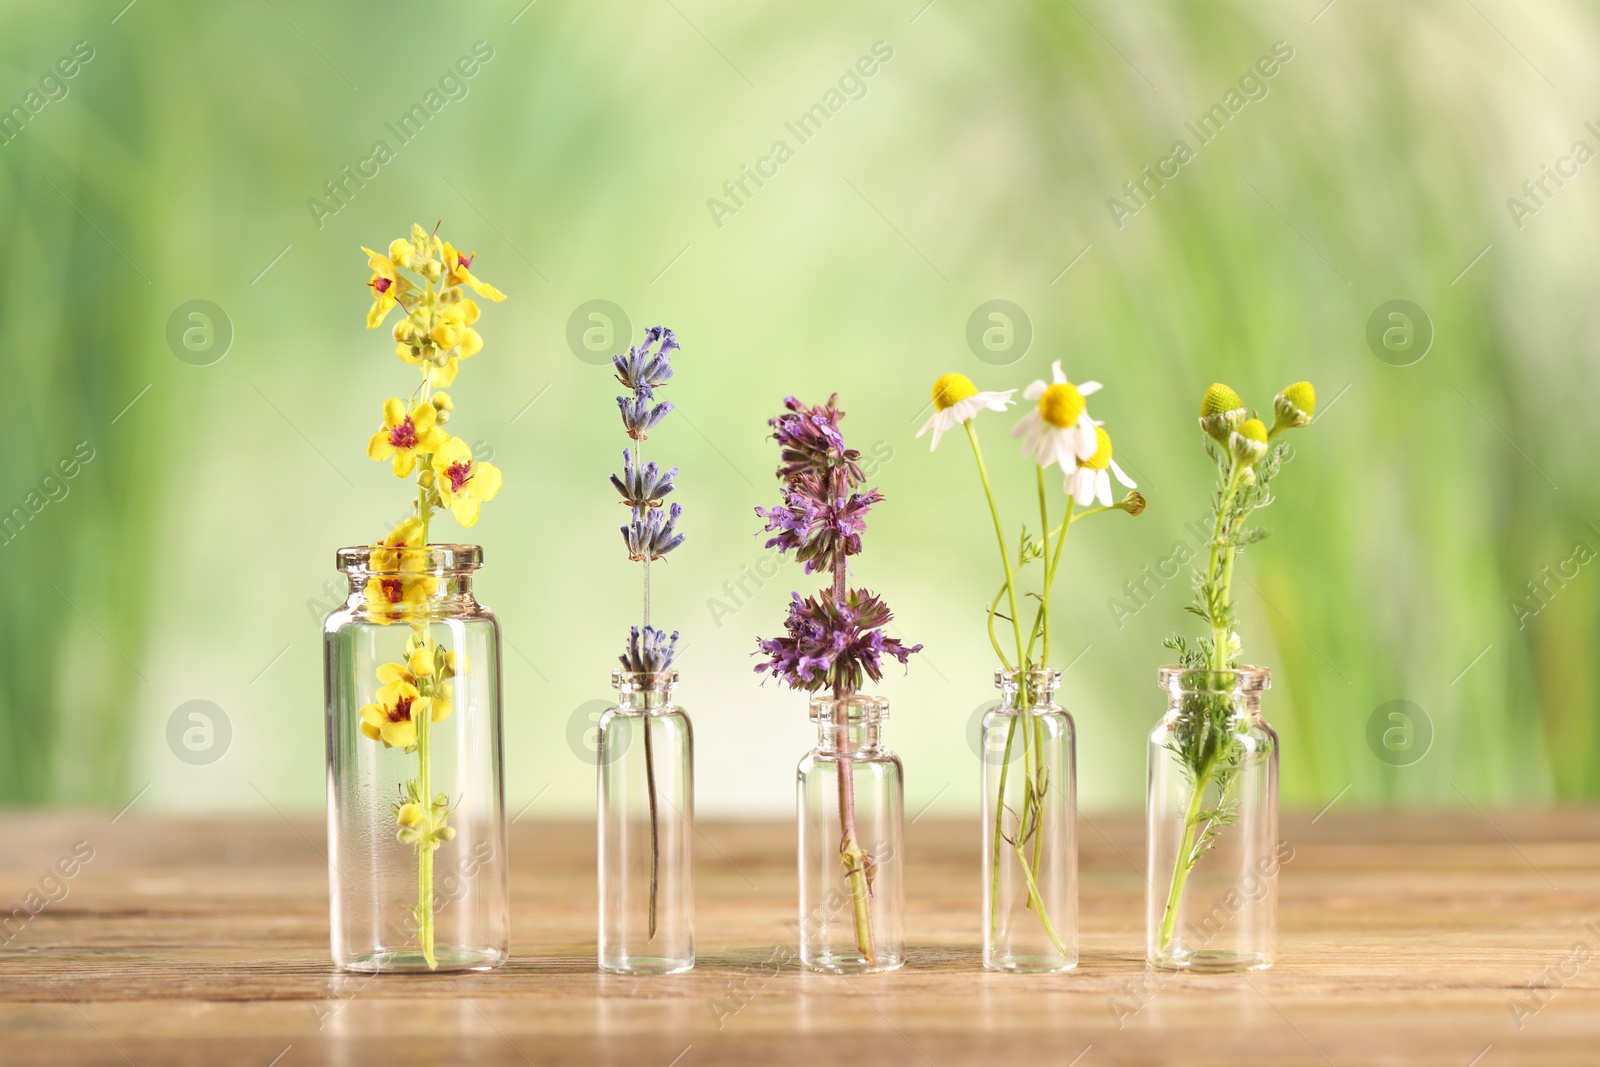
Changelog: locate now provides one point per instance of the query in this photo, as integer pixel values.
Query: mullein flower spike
(434, 334)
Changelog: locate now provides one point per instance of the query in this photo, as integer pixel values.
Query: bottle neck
(1033, 690)
(642, 693)
(850, 725)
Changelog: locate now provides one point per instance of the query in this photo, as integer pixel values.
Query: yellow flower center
(1254, 429)
(1061, 405)
(1102, 451)
(1302, 396)
(952, 389)
(1218, 399)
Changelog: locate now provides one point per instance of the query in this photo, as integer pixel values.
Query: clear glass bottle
(412, 682)
(1030, 845)
(851, 795)
(1212, 900)
(646, 828)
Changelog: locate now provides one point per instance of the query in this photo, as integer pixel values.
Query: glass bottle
(852, 823)
(1030, 847)
(1212, 900)
(646, 828)
(417, 862)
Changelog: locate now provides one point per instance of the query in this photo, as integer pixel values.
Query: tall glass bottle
(851, 808)
(1212, 900)
(646, 828)
(417, 862)
(1030, 848)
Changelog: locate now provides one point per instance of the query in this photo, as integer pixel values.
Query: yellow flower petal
(378, 446)
(390, 673)
(372, 715)
(486, 481)
(399, 734)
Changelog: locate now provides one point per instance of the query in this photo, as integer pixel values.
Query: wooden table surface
(1404, 939)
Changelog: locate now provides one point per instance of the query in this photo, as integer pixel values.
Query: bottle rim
(859, 709)
(1246, 678)
(437, 559)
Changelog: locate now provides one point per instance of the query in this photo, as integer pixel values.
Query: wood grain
(1404, 939)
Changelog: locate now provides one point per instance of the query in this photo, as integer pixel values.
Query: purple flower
(642, 370)
(812, 447)
(819, 532)
(642, 486)
(650, 534)
(833, 640)
(832, 644)
(638, 416)
(649, 651)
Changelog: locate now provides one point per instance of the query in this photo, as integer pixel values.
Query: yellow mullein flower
(387, 287)
(458, 271)
(402, 254)
(462, 484)
(406, 437)
(401, 550)
(398, 597)
(392, 717)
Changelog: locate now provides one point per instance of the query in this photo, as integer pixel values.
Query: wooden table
(1405, 939)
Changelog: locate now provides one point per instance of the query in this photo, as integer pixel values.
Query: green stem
(1185, 860)
(999, 830)
(1000, 537)
(425, 855)
(1219, 568)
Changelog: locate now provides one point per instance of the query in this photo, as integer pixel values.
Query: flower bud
(1249, 442)
(1294, 406)
(431, 270)
(410, 815)
(1221, 412)
(1133, 503)
(425, 479)
(401, 253)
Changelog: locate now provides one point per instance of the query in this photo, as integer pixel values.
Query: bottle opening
(1247, 678)
(444, 559)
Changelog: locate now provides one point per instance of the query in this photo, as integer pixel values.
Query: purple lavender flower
(835, 639)
(833, 644)
(650, 651)
(650, 534)
(642, 369)
(638, 416)
(642, 486)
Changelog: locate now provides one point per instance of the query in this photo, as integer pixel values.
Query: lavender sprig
(651, 534)
(650, 651)
(642, 486)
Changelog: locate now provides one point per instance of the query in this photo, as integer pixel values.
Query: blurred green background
(191, 556)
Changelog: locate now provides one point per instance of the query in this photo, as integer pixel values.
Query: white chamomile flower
(957, 400)
(1089, 480)
(1058, 429)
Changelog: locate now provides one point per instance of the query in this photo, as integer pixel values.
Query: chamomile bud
(1221, 412)
(409, 815)
(1133, 503)
(1249, 442)
(1247, 477)
(1294, 406)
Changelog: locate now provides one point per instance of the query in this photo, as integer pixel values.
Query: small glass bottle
(412, 678)
(1212, 899)
(646, 828)
(852, 823)
(1030, 847)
